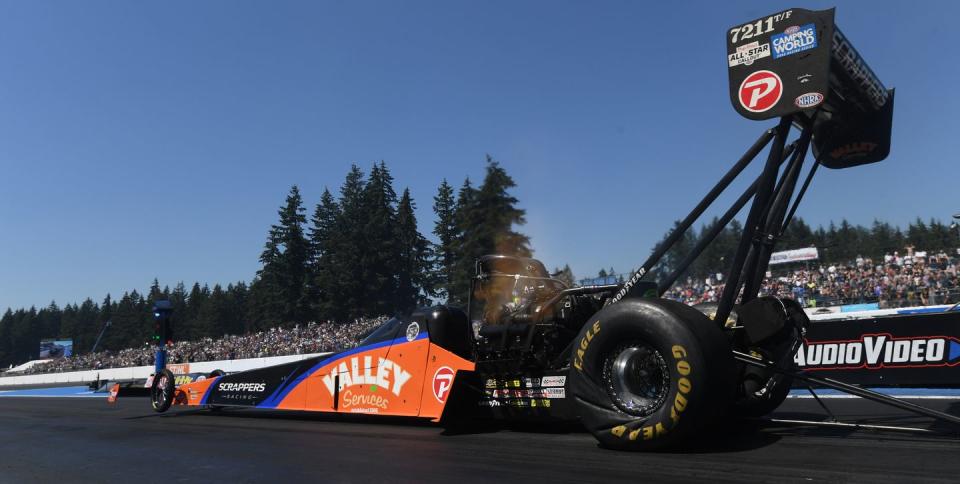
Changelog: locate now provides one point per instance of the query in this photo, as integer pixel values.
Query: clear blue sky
(142, 140)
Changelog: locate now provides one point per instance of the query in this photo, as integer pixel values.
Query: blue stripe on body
(274, 400)
(206, 394)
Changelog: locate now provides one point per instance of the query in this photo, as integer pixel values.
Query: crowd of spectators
(279, 341)
(913, 279)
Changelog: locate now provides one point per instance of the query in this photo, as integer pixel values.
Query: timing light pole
(162, 311)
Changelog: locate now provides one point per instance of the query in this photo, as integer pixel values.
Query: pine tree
(87, 326)
(465, 217)
(25, 339)
(565, 275)
(446, 230)
(238, 297)
(414, 281)
(6, 339)
(49, 320)
(918, 234)
(379, 252)
(343, 288)
(797, 235)
(323, 233)
(284, 259)
(486, 218)
(671, 260)
(497, 214)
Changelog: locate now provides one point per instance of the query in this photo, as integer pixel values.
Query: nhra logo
(760, 91)
(808, 100)
(874, 351)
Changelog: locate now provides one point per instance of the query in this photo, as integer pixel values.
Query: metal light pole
(99, 336)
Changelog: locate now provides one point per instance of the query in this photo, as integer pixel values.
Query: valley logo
(874, 351)
(386, 374)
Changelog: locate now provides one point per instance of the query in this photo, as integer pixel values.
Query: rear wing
(797, 63)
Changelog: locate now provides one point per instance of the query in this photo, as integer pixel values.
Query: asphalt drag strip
(87, 440)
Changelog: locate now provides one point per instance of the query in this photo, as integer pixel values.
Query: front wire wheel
(161, 392)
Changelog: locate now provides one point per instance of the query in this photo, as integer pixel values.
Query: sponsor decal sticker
(386, 374)
(875, 351)
(551, 393)
(364, 403)
(442, 382)
(184, 379)
(805, 78)
(554, 381)
(242, 387)
(853, 149)
(413, 329)
(748, 53)
(491, 383)
(760, 91)
(758, 28)
(794, 40)
(547, 392)
(808, 100)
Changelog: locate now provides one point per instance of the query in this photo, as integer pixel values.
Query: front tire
(161, 392)
(647, 374)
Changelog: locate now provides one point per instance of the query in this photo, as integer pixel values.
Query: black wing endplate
(797, 62)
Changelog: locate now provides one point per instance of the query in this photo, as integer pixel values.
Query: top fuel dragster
(640, 372)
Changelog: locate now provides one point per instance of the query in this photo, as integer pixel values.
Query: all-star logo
(874, 351)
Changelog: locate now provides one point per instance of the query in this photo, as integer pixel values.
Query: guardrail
(142, 372)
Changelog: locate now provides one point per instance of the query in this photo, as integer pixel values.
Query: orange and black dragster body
(406, 367)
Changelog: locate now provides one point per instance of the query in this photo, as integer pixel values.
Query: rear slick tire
(647, 374)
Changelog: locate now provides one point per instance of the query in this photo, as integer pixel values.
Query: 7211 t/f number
(759, 27)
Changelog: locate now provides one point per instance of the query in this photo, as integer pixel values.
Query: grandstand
(298, 340)
(891, 281)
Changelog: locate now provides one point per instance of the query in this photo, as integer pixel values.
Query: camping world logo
(875, 351)
(760, 91)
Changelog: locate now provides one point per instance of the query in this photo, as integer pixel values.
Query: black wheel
(646, 374)
(761, 391)
(756, 400)
(161, 392)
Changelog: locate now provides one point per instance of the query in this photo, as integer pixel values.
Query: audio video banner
(904, 350)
